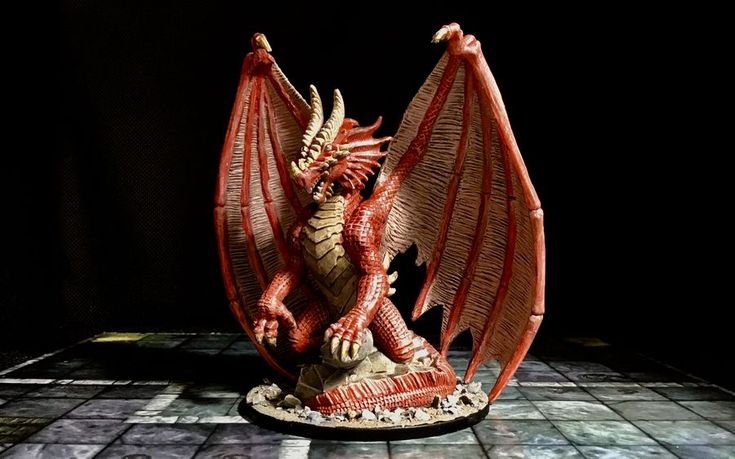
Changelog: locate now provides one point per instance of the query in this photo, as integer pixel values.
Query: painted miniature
(306, 258)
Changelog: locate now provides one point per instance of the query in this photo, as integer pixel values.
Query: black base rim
(387, 433)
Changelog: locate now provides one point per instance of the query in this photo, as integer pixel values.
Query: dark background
(617, 112)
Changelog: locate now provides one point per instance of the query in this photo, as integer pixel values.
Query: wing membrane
(255, 201)
(469, 206)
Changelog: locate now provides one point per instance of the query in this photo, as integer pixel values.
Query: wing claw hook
(259, 41)
(447, 32)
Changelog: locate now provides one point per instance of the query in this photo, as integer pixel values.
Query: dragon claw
(334, 345)
(271, 340)
(260, 41)
(354, 350)
(440, 35)
(343, 356)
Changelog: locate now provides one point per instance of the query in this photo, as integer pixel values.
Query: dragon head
(337, 156)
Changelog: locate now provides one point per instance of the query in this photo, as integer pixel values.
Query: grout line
(159, 402)
(479, 442)
(691, 410)
(209, 435)
(117, 437)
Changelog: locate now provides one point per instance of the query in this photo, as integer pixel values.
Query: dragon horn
(315, 121)
(331, 127)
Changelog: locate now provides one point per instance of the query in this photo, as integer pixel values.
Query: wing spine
(433, 266)
(220, 219)
(253, 257)
(286, 183)
(479, 235)
(497, 309)
(270, 207)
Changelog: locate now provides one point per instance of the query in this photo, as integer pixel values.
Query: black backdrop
(614, 111)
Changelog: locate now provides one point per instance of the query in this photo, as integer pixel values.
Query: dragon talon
(343, 356)
(262, 42)
(354, 350)
(271, 341)
(334, 345)
(391, 291)
(440, 35)
(392, 277)
(386, 261)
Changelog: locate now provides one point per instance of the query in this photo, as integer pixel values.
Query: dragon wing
(474, 215)
(255, 202)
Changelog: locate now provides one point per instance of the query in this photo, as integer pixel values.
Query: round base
(367, 433)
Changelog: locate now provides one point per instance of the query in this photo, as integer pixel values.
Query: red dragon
(305, 257)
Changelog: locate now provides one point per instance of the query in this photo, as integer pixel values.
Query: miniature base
(264, 406)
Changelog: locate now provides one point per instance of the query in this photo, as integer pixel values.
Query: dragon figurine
(306, 258)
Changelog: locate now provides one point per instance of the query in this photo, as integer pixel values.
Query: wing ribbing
(485, 250)
(255, 201)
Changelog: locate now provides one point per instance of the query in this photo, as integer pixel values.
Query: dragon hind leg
(414, 388)
(391, 334)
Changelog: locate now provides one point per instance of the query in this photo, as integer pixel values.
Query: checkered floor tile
(176, 396)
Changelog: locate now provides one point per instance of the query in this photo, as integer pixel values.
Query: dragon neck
(347, 201)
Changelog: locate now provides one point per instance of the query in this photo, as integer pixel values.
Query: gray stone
(421, 415)
(290, 401)
(272, 392)
(315, 416)
(368, 415)
(474, 387)
(256, 399)
(381, 364)
(436, 402)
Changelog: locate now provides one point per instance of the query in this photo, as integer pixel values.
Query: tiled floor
(176, 396)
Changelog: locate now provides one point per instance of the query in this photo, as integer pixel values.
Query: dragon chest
(329, 266)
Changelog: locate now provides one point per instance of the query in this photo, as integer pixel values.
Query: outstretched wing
(255, 201)
(470, 208)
